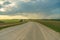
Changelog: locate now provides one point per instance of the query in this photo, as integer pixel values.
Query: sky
(39, 9)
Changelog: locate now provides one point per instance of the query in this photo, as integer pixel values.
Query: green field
(12, 22)
(51, 23)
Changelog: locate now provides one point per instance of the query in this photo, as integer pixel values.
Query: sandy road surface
(29, 31)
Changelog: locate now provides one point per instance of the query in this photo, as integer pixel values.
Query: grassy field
(53, 24)
(12, 22)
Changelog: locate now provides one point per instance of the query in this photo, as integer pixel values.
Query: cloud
(40, 16)
(34, 5)
(25, 0)
(1, 2)
(53, 16)
(38, 6)
(6, 3)
(30, 16)
(45, 7)
(10, 5)
(44, 1)
(2, 10)
(33, 15)
(7, 7)
(56, 11)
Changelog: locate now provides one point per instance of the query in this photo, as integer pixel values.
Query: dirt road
(29, 31)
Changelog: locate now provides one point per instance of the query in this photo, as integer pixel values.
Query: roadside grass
(11, 23)
(10, 20)
(53, 24)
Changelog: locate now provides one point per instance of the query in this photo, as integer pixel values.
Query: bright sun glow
(1, 2)
(12, 17)
(2, 10)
